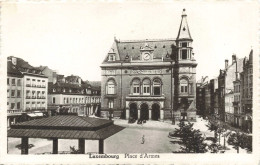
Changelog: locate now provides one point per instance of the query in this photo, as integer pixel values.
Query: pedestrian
(143, 140)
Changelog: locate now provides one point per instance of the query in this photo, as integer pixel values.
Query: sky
(74, 38)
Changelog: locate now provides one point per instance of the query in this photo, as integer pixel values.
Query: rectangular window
(136, 90)
(184, 54)
(13, 81)
(111, 89)
(33, 82)
(146, 90)
(33, 95)
(38, 94)
(8, 83)
(157, 90)
(184, 44)
(18, 93)
(19, 82)
(18, 105)
(110, 104)
(184, 88)
(28, 82)
(13, 93)
(53, 100)
(38, 83)
(8, 93)
(12, 105)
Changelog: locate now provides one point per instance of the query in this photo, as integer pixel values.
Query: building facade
(26, 90)
(247, 93)
(150, 79)
(71, 95)
(14, 93)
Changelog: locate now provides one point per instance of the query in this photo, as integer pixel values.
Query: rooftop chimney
(226, 64)
(234, 58)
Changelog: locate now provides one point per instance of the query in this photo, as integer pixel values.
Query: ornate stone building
(150, 79)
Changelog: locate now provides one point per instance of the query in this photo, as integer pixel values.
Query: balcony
(39, 97)
(43, 86)
(14, 111)
(39, 86)
(33, 97)
(28, 97)
(28, 85)
(145, 97)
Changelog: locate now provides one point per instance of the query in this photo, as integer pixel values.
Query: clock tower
(146, 52)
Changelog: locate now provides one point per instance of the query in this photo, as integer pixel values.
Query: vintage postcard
(151, 82)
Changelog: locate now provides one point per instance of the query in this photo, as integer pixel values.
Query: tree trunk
(237, 149)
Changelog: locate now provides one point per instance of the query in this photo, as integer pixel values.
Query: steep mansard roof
(12, 70)
(133, 48)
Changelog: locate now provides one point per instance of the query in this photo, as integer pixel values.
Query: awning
(38, 114)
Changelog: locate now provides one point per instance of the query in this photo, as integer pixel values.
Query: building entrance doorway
(144, 112)
(133, 111)
(155, 112)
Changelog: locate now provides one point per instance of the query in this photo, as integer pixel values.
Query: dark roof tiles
(105, 129)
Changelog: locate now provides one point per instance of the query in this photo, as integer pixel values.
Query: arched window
(183, 86)
(146, 87)
(136, 86)
(111, 87)
(157, 85)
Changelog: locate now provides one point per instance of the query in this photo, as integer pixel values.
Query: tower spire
(184, 32)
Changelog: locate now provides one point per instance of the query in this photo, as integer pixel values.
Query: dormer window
(54, 90)
(111, 57)
(184, 44)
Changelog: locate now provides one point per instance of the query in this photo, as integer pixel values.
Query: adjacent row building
(229, 96)
(35, 92)
(72, 95)
(26, 90)
(151, 79)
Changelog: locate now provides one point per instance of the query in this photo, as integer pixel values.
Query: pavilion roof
(65, 127)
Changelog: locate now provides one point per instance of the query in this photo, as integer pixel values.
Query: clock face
(146, 56)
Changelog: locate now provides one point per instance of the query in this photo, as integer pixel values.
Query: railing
(39, 97)
(28, 85)
(43, 86)
(33, 85)
(38, 86)
(33, 97)
(28, 97)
